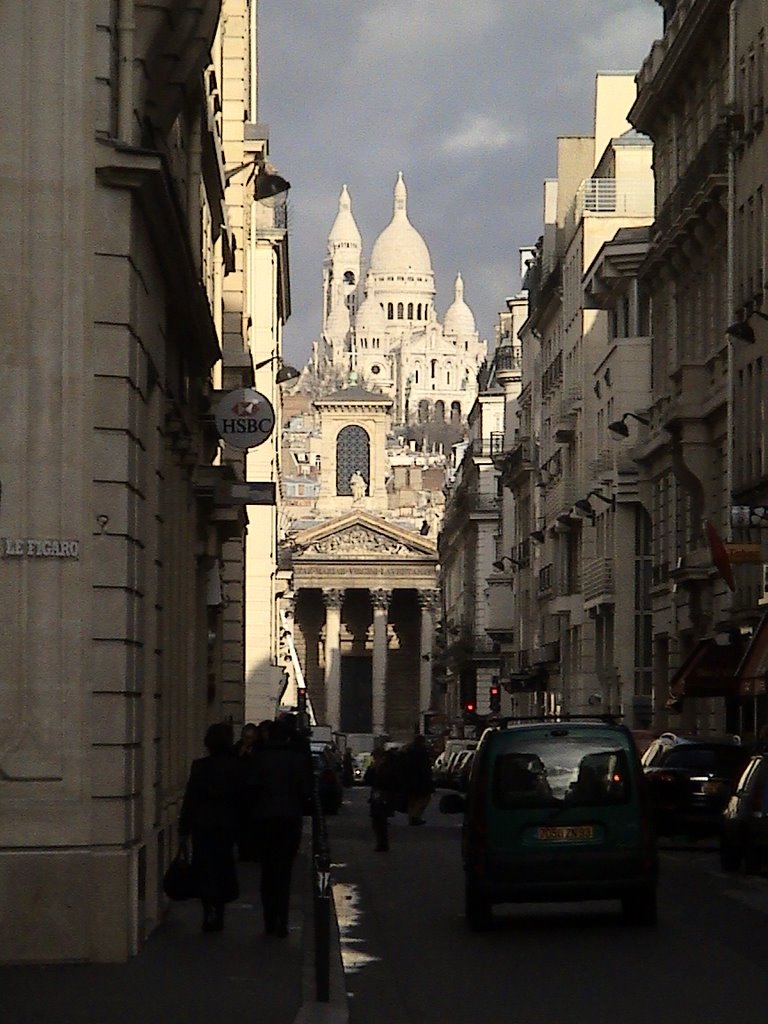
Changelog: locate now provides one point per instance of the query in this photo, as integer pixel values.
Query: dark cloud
(466, 97)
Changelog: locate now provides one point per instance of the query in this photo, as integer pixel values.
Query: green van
(556, 810)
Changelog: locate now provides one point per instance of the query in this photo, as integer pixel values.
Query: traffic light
(494, 695)
(469, 707)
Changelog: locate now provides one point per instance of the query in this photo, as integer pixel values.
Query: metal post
(321, 867)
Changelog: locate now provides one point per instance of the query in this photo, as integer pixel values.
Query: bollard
(321, 867)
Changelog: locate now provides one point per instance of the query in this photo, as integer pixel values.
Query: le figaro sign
(26, 547)
(245, 418)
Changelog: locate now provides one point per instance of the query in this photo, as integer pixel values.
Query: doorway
(356, 693)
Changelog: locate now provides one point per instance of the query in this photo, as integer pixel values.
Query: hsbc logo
(245, 418)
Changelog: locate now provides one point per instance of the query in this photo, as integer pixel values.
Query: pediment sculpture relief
(358, 541)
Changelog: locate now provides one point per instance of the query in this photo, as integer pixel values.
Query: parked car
(690, 783)
(744, 834)
(440, 769)
(557, 811)
(455, 770)
(463, 771)
(328, 773)
(360, 764)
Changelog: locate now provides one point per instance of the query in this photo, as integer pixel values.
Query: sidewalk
(182, 976)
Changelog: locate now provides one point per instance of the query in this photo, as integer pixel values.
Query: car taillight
(666, 778)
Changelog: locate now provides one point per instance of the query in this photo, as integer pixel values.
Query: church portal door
(356, 693)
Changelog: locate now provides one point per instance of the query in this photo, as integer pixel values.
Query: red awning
(752, 673)
(708, 671)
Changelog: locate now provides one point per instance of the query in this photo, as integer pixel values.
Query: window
(353, 455)
(410, 311)
(418, 312)
(399, 311)
(375, 369)
(390, 311)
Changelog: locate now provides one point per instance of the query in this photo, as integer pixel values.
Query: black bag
(179, 881)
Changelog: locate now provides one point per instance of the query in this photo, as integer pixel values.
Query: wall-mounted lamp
(584, 505)
(537, 535)
(269, 184)
(620, 427)
(284, 373)
(742, 330)
(499, 564)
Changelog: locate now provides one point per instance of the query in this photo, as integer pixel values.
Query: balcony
(705, 174)
(597, 582)
(509, 359)
(486, 447)
(633, 198)
(518, 459)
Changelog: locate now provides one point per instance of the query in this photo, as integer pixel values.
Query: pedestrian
(210, 813)
(416, 769)
(347, 769)
(378, 775)
(280, 787)
(247, 834)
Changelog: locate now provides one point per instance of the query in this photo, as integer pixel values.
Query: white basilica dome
(400, 248)
(370, 319)
(459, 318)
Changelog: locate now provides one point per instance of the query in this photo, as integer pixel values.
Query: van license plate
(565, 833)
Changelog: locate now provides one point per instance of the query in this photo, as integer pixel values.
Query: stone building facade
(122, 561)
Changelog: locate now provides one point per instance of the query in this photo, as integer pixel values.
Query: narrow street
(409, 956)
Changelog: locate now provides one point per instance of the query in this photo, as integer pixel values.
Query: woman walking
(210, 814)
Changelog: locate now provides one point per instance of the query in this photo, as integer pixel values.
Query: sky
(465, 97)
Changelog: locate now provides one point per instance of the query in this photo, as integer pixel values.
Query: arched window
(418, 312)
(410, 311)
(455, 412)
(448, 375)
(353, 455)
(433, 369)
(390, 311)
(416, 375)
(426, 310)
(399, 311)
(423, 411)
(439, 411)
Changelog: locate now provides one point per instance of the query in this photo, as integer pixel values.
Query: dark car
(744, 835)
(690, 784)
(328, 774)
(557, 811)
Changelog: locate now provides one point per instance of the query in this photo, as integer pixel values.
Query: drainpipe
(126, 31)
(731, 256)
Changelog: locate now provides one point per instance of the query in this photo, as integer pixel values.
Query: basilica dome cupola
(344, 232)
(459, 319)
(400, 249)
(371, 321)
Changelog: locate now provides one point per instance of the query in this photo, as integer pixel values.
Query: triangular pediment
(360, 534)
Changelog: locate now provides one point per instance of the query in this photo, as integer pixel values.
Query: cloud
(355, 90)
(477, 133)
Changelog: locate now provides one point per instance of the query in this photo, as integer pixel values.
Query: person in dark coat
(379, 776)
(210, 813)
(247, 835)
(416, 774)
(280, 790)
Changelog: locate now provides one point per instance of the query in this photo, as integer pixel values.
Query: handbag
(179, 882)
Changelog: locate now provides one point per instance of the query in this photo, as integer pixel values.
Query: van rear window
(570, 770)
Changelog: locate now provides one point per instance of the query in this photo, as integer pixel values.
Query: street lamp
(269, 184)
(584, 505)
(620, 427)
(499, 563)
(285, 372)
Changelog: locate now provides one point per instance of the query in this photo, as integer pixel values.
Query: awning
(708, 671)
(752, 673)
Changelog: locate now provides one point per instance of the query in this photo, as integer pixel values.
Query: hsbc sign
(245, 418)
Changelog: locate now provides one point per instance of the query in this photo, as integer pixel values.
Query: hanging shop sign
(755, 516)
(29, 547)
(245, 418)
(744, 554)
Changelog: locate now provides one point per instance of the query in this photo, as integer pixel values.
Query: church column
(332, 599)
(427, 602)
(380, 600)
